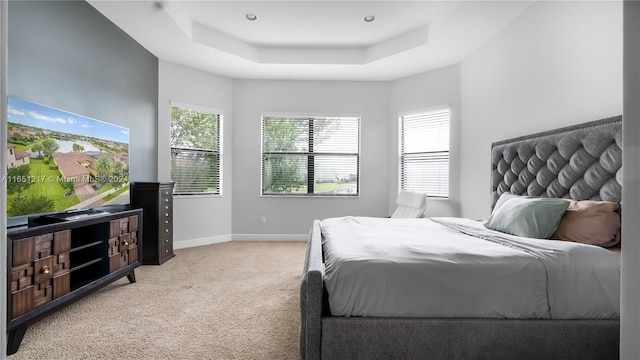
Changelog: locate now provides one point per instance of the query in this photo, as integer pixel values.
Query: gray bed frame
(579, 162)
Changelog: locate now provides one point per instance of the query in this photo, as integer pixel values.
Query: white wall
(422, 92)
(378, 105)
(286, 215)
(558, 64)
(515, 84)
(197, 220)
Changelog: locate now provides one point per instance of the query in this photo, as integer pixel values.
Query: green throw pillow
(535, 218)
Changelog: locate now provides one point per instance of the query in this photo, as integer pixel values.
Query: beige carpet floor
(235, 300)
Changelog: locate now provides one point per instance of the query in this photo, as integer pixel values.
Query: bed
(551, 315)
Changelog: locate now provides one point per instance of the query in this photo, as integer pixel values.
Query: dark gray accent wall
(3, 114)
(630, 290)
(67, 55)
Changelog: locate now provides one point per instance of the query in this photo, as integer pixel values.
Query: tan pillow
(590, 222)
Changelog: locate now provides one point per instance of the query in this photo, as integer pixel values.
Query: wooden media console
(69, 256)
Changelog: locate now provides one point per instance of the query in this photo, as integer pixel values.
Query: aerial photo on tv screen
(58, 161)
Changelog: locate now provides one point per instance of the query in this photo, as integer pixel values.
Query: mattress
(456, 268)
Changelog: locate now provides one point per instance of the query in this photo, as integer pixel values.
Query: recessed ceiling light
(251, 17)
(369, 18)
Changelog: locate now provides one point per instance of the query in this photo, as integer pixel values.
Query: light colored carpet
(235, 300)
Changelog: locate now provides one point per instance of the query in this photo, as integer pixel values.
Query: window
(310, 156)
(196, 161)
(424, 152)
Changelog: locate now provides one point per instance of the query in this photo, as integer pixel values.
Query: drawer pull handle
(166, 240)
(125, 243)
(166, 230)
(45, 269)
(166, 221)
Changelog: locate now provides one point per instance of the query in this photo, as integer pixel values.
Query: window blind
(195, 171)
(196, 161)
(424, 152)
(310, 156)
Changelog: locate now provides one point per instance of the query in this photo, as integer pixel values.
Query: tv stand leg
(14, 339)
(132, 277)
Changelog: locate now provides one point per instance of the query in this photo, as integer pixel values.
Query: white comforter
(422, 268)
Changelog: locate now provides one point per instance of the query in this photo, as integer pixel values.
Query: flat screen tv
(59, 162)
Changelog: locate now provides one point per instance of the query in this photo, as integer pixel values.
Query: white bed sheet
(422, 268)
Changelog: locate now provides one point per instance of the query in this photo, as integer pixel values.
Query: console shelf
(85, 246)
(49, 266)
(84, 264)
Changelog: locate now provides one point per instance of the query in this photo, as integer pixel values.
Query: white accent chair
(411, 204)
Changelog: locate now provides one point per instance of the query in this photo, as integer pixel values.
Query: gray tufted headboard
(580, 162)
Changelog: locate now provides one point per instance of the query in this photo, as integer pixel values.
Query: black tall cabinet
(156, 201)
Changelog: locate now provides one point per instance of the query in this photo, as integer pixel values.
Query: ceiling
(315, 40)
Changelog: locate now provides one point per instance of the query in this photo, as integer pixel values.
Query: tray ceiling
(312, 39)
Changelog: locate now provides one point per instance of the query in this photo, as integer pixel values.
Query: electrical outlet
(263, 220)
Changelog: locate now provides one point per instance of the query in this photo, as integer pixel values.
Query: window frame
(401, 154)
(307, 116)
(220, 151)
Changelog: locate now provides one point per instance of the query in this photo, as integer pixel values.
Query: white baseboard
(201, 241)
(238, 237)
(270, 237)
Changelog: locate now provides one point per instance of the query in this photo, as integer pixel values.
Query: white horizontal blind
(194, 171)
(310, 156)
(196, 160)
(424, 152)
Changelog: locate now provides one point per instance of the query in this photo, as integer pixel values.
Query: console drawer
(21, 301)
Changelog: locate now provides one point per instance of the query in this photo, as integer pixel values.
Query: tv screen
(60, 161)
